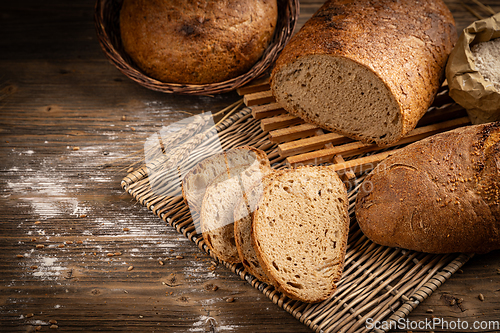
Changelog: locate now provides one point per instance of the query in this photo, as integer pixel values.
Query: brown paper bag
(467, 86)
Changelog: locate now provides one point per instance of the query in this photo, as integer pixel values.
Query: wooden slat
(292, 133)
(258, 98)
(258, 85)
(348, 174)
(267, 110)
(270, 110)
(362, 164)
(313, 143)
(280, 121)
(310, 144)
(355, 148)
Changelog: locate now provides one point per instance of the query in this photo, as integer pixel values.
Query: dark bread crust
(180, 41)
(404, 44)
(439, 195)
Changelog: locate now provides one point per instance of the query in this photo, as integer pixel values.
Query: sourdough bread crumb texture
(217, 223)
(439, 195)
(221, 197)
(243, 213)
(197, 42)
(366, 69)
(299, 231)
(217, 168)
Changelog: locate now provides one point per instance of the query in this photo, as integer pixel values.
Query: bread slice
(299, 231)
(243, 213)
(367, 69)
(217, 223)
(217, 166)
(219, 201)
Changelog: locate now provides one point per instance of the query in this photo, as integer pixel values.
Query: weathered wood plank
(57, 92)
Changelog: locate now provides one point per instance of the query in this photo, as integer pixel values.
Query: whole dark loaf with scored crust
(438, 195)
(366, 69)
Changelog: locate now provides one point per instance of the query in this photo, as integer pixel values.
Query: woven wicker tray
(381, 283)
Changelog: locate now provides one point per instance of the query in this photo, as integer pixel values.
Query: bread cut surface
(243, 214)
(218, 166)
(179, 41)
(220, 200)
(300, 230)
(438, 195)
(368, 70)
(217, 222)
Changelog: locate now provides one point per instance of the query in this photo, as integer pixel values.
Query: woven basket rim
(288, 12)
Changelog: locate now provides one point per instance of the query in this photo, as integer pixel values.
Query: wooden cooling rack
(303, 143)
(378, 282)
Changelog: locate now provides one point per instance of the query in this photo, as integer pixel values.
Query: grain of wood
(258, 98)
(66, 94)
(292, 133)
(267, 110)
(257, 85)
(280, 121)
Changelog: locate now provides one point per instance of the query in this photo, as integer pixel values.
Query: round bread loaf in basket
(107, 14)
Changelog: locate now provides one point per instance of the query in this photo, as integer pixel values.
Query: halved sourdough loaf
(299, 231)
(217, 166)
(366, 69)
(220, 199)
(438, 195)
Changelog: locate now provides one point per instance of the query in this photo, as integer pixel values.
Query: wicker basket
(108, 33)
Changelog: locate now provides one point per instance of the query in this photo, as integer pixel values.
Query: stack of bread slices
(288, 228)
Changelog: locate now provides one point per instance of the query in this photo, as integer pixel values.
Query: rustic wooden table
(66, 117)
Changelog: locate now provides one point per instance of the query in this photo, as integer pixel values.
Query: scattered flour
(203, 322)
